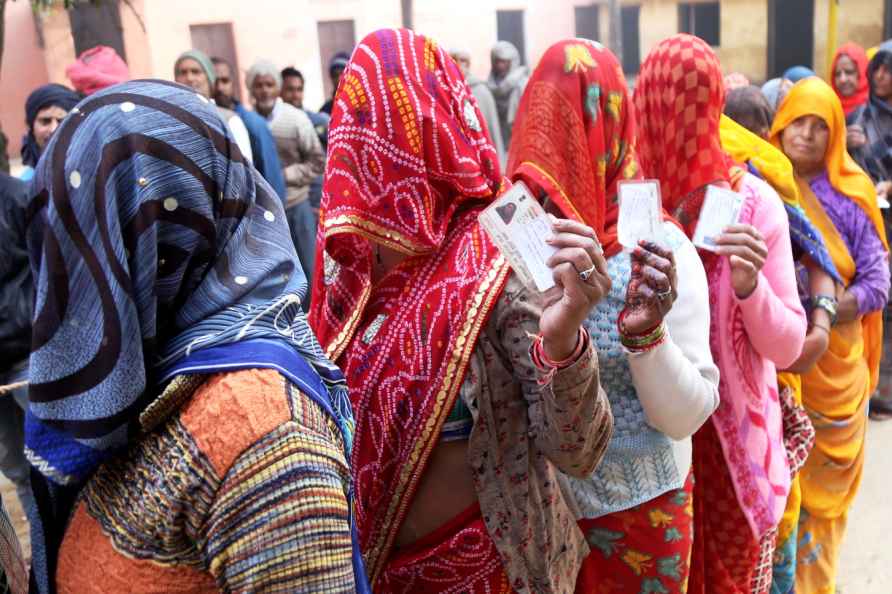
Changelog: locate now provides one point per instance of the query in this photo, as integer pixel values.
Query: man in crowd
(507, 82)
(263, 145)
(293, 93)
(194, 69)
(336, 67)
(299, 152)
(45, 109)
(484, 98)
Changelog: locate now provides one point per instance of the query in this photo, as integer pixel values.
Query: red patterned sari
(410, 165)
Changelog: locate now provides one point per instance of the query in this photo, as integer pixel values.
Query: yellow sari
(837, 390)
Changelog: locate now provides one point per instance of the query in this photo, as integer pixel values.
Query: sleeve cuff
(571, 374)
(861, 299)
(754, 298)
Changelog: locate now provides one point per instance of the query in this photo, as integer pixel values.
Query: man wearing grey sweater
(300, 153)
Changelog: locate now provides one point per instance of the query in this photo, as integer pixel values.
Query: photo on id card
(721, 208)
(519, 226)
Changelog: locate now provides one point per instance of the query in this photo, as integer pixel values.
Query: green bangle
(645, 341)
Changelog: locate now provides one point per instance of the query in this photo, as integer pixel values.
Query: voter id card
(519, 226)
(721, 208)
(640, 213)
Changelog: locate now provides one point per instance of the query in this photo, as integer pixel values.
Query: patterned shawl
(575, 134)
(857, 55)
(150, 238)
(678, 99)
(678, 103)
(410, 165)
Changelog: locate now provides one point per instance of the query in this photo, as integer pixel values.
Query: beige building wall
(283, 32)
(744, 38)
(286, 32)
(22, 70)
(858, 20)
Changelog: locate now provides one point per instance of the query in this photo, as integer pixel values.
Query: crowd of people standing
(257, 348)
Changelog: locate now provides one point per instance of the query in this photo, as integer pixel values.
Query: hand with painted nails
(581, 279)
(652, 288)
(747, 251)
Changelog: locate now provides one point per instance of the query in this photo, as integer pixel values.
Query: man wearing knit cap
(194, 69)
(507, 82)
(336, 68)
(299, 152)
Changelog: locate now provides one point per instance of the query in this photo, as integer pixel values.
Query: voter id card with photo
(640, 213)
(721, 208)
(519, 226)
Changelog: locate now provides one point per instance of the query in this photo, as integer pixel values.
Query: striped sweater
(243, 490)
(300, 151)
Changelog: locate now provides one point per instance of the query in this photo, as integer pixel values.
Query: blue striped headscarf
(151, 239)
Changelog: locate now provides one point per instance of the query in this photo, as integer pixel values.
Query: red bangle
(541, 359)
(622, 331)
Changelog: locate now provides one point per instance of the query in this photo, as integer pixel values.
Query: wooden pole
(832, 18)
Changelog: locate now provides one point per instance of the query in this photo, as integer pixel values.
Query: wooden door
(509, 27)
(791, 37)
(588, 24)
(630, 19)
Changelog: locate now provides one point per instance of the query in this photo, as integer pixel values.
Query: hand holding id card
(519, 226)
(640, 213)
(721, 208)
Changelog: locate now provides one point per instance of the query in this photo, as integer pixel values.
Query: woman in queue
(472, 392)
(573, 143)
(757, 323)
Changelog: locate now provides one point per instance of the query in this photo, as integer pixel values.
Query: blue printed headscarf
(151, 239)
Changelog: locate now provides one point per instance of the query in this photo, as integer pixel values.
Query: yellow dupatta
(743, 146)
(836, 391)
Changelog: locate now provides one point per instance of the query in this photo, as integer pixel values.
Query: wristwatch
(828, 304)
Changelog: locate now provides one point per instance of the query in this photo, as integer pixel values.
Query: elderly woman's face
(805, 143)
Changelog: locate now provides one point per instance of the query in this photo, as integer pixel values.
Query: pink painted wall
(22, 70)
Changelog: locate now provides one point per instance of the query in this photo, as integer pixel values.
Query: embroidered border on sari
(489, 290)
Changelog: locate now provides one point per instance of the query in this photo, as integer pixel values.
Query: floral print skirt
(643, 550)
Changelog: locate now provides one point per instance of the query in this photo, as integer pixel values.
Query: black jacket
(16, 286)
